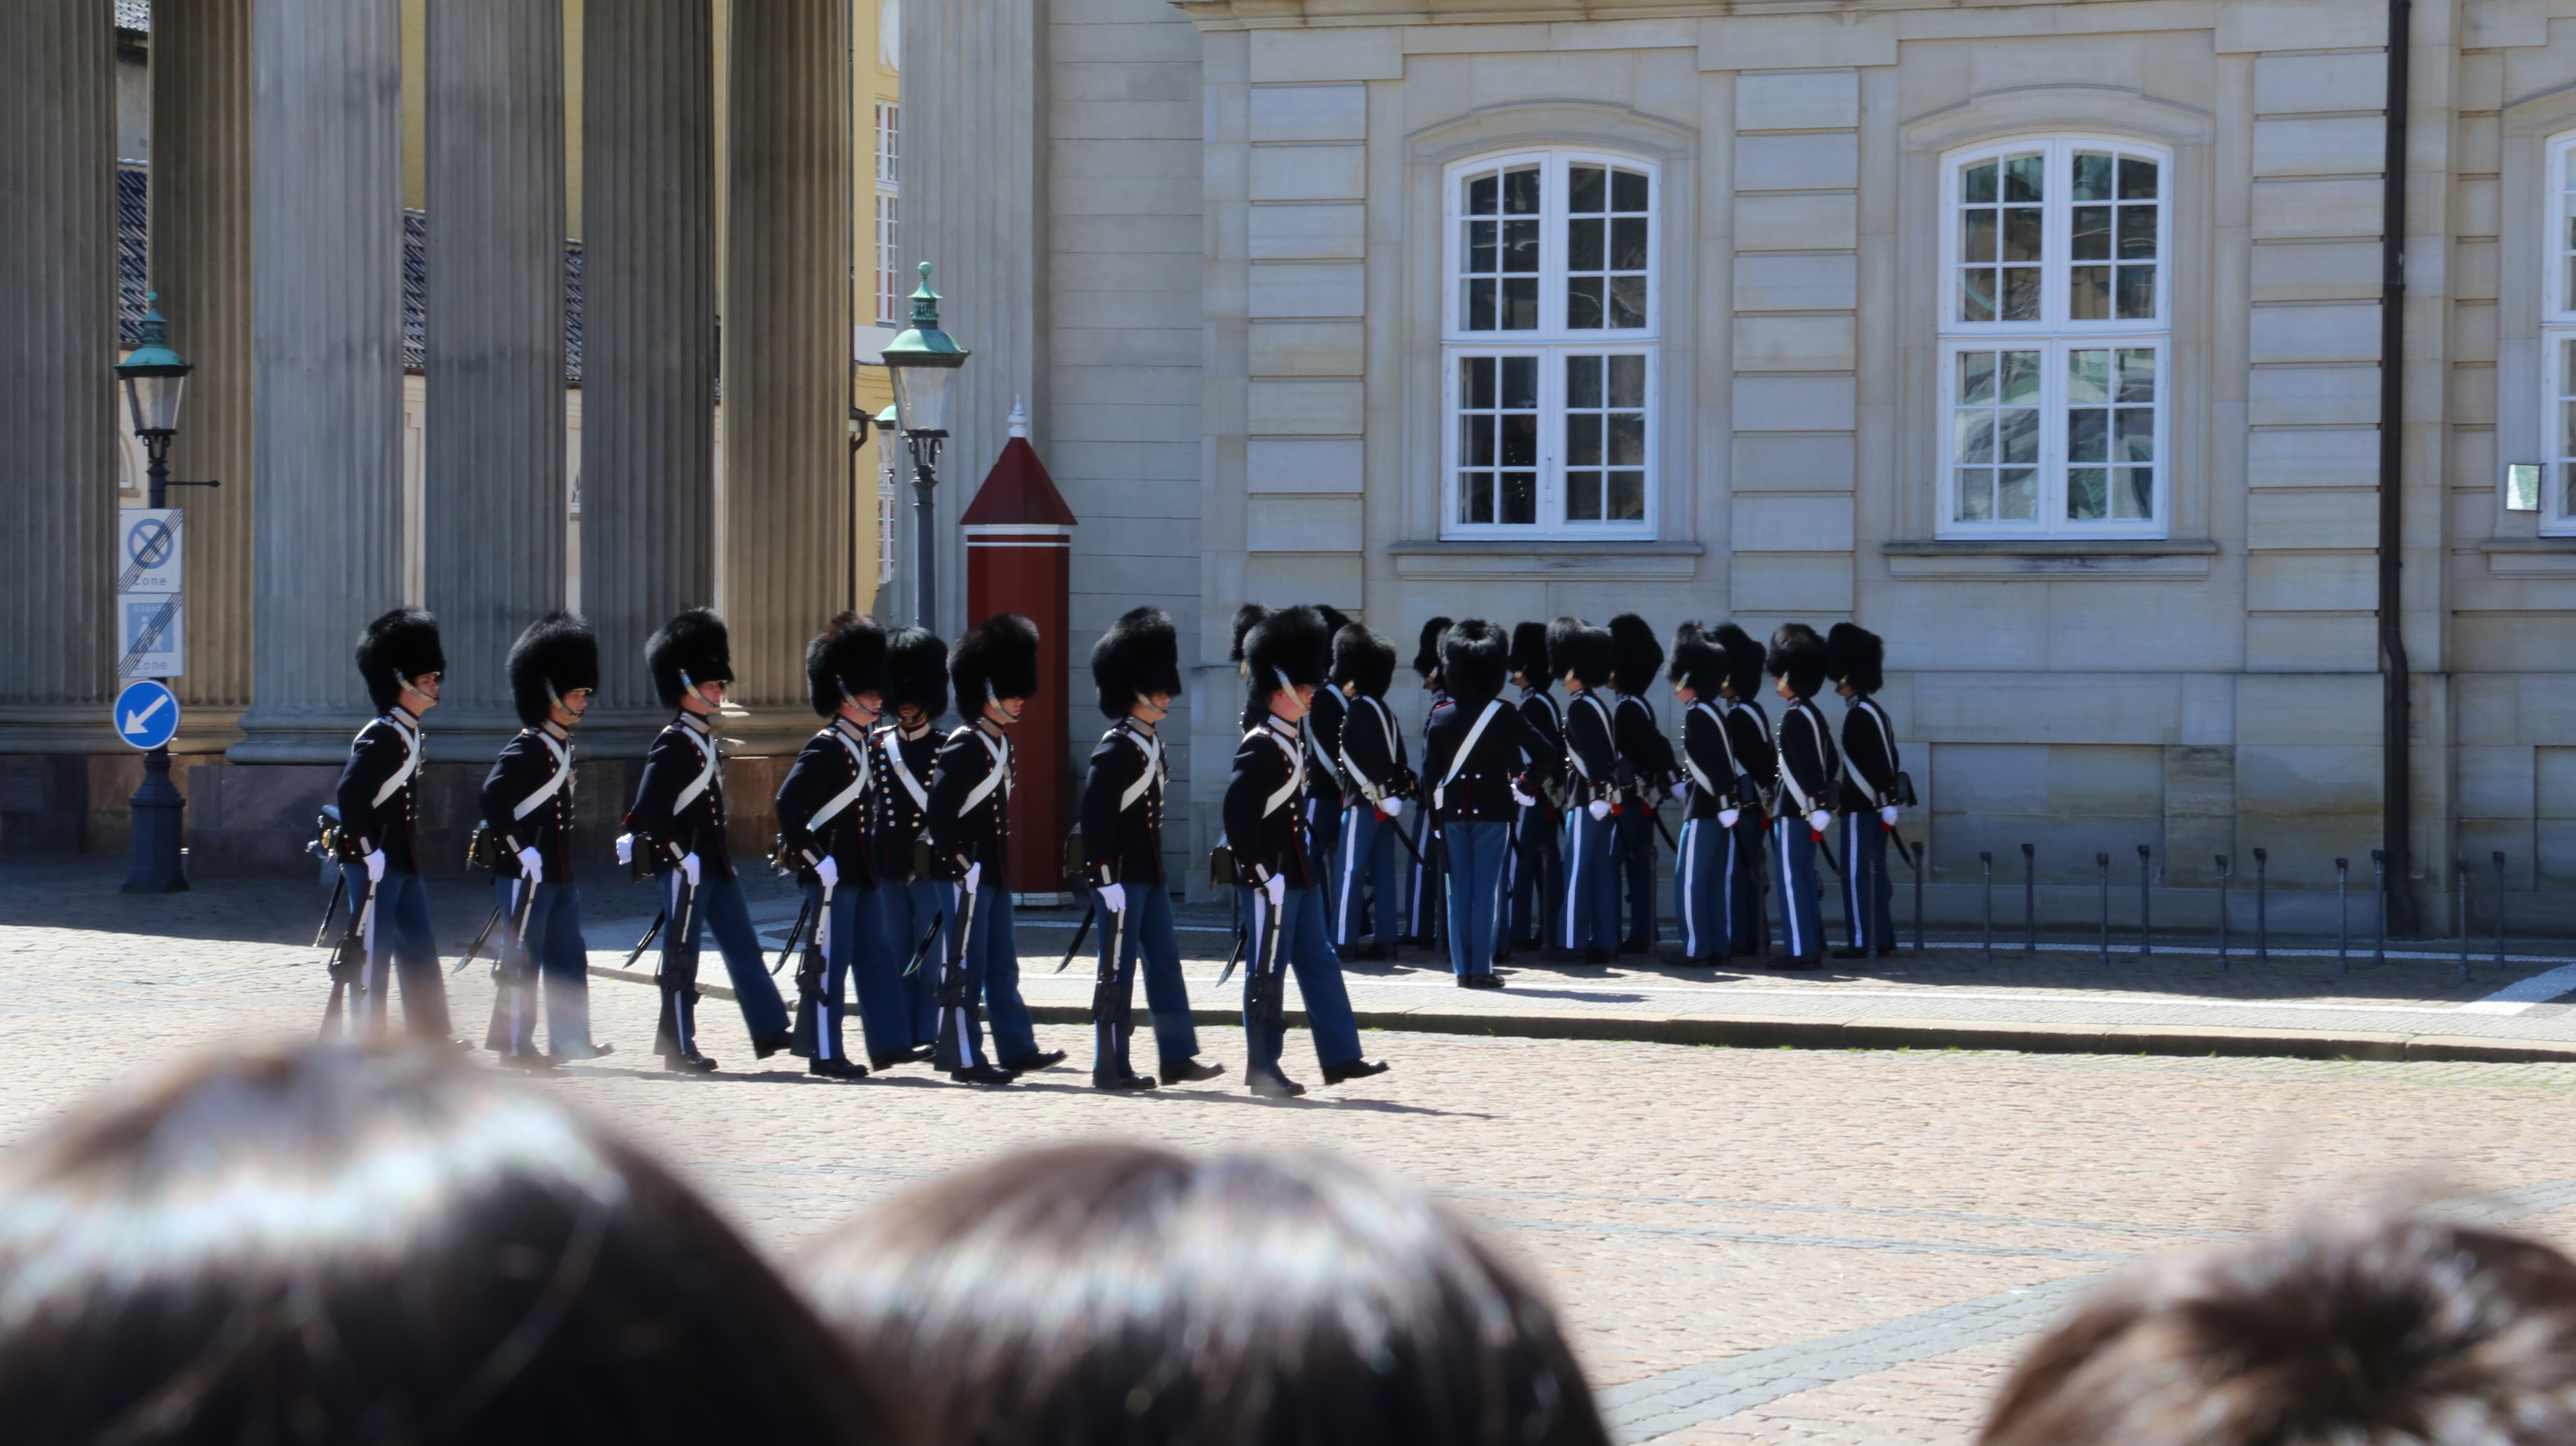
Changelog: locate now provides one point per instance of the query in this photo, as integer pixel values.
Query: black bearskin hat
(1635, 656)
(1743, 661)
(1699, 662)
(1334, 621)
(1426, 659)
(1139, 655)
(1285, 649)
(1855, 655)
(1364, 660)
(917, 672)
(694, 643)
(1246, 618)
(1798, 655)
(998, 658)
(1474, 661)
(396, 648)
(846, 659)
(557, 654)
(1529, 652)
(1577, 647)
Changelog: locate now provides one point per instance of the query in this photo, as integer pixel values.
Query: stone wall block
(1793, 222)
(2319, 145)
(1306, 408)
(1298, 291)
(1305, 233)
(1795, 403)
(2314, 334)
(1796, 343)
(1796, 281)
(1309, 113)
(1305, 464)
(1309, 173)
(1303, 524)
(1308, 348)
(1797, 100)
(1792, 522)
(1813, 161)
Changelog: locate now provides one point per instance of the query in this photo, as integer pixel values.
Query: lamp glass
(921, 397)
(152, 397)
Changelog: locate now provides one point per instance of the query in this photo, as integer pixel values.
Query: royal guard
(1708, 798)
(676, 831)
(1137, 667)
(994, 671)
(1802, 809)
(1423, 895)
(1645, 771)
(1872, 789)
(913, 898)
(1375, 782)
(1533, 866)
(378, 799)
(528, 812)
(1283, 905)
(1579, 654)
(1473, 766)
(1323, 745)
(1748, 735)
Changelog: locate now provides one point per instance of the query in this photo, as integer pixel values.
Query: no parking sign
(151, 613)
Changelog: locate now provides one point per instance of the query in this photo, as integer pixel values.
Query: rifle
(1108, 1004)
(477, 946)
(646, 942)
(339, 890)
(349, 964)
(795, 931)
(1081, 932)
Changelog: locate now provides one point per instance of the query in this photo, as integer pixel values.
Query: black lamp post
(922, 362)
(155, 380)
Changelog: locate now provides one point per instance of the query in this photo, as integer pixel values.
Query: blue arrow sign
(146, 714)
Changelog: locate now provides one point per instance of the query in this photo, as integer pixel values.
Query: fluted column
(326, 199)
(494, 498)
(201, 264)
(648, 339)
(57, 394)
(787, 469)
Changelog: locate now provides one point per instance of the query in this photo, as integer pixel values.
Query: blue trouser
(1798, 899)
(1365, 862)
(399, 943)
(1867, 918)
(555, 951)
(907, 910)
(1748, 921)
(1476, 850)
(1422, 881)
(985, 971)
(1699, 888)
(1633, 852)
(717, 907)
(1144, 936)
(855, 959)
(1324, 833)
(1589, 917)
(1530, 877)
(1302, 948)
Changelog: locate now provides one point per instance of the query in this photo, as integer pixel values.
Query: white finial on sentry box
(1019, 417)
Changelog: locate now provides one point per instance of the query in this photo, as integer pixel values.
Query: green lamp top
(923, 343)
(153, 355)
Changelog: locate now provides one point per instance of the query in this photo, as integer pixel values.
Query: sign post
(151, 645)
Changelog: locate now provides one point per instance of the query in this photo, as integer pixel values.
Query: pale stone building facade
(2042, 338)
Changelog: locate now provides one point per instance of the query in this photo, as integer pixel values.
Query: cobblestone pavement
(1748, 1245)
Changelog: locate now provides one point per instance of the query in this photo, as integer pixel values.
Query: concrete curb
(1771, 1032)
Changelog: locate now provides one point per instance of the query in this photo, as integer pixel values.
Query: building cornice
(1334, 14)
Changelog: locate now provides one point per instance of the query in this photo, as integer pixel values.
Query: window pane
(1627, 381)
(1977, 184)
(1586, 188)
(2090, 238)
(2017, 495)
(1584, 247)
(2137, 233)
(2017, 435)
(1627, 496)
(1606, 254)
(1520, 439)
(2137, 293)
(2137, 374)
(1476, 440)
(1583, 303)
(1520, 383)
(2021, 233)
(1481, 194)
(2088, 293)
(1628, 439)
(1583, 439)
(2567, 489)
(1628, 244)
(2088, 377)
(1976, 376)
(2137, 179)
(1582, 496)
(2088, 435)
(2133, 493)
(1480, 305)
(1476, 382)
(2135, 436)
(2022, 178)
(1977, 295)
(1497, 428)
(1977, 235)
(1520, 246)
(1482, 244)
(1976, 489)
(1520, 191)
(1520, 498)
(2021, 293)
(1583, 381)
(1628, 190)
(1628, 302)
(2092, 176)
(2087, 494)
(1520, 304)
(1475, 498)
(2021, 378)
(1972, 435)
(1995, 435)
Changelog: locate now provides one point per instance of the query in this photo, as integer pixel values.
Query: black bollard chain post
(1986, 867)
(2146, 921)
(2103, 863)
(2378, 906)
(2223, 875)
(1920, 859)
(2262, 906)
(2460, 875)
(2343, 918)
(2030, 899)
(2499, 912)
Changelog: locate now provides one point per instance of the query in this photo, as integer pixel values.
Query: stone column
(787, 471)
(648, 340)
(494, 496)
(201, 264)
(58, 400)
(326, 205)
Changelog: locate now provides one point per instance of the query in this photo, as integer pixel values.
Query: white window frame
(2557, 450)
(889, 281)
(2054, 335)
(1551, 341)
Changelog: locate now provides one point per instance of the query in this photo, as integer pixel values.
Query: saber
(1081, 932)
(477, 946)
(339, 891)
(795, 931)
(348, 973)
(929, 937)
(1106, 1005)
(1658, 820)
(650, 931)
(1232, 958)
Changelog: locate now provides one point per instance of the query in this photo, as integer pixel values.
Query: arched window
(2557, 499)
(2055, 359)
(1549, 328)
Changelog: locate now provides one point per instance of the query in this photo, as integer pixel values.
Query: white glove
(1726, 817)
(532, 865)
(827, 871)
(626, 848)
(974, 876)
(1599, 808)
(1390, 808)
(1681, 790)
(1523, 799)
(376, 867)
(1820, 821)
(1887, 815)
(1113, 897)
(689, 868)
(1276, 886)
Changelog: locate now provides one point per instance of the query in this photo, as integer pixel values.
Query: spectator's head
(330, 1246)
(2395, 1331)
(1116, 1295)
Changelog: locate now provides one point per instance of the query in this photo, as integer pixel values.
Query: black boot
(1115, 1080)
(767, 1045)
(1034, 1060)
(918, 1054)
(690, 1063)
(1355, 1069)
(1271, 1085)
(983, 1074)
(1481, 981)
(1851, 953)
(836, 1069)
(1596, 956)
(1188, 1071)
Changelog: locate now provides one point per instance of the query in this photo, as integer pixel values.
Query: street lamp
(922, 362)
(155, 380)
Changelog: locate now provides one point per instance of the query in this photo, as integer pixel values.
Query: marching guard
(994, 670)
(400, 659)
(1375, 781)
(1872, 789)
(1137, 668)
(1645, 770)
(1423, 892)
(1532, 866)
(1708, 795)
(676, 830)
(1802, 812)
(1323, 745)
(914, 900)
(1472, 762)
(1748, 736)
(528, 811)
(1579, 655)
(1282, 904)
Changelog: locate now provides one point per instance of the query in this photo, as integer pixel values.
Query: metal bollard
(2499, 920)
(1919, 859)
(2223, 875)
(2103, 863)
(2378, 906)
(2030, 899)
(2262, 907)
(2146, 921)
(2460, 874)
(2343, 918)
(1986, 867)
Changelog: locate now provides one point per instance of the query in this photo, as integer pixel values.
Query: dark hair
(2397, 1330)
(330, 1245)
(1113, 1293)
